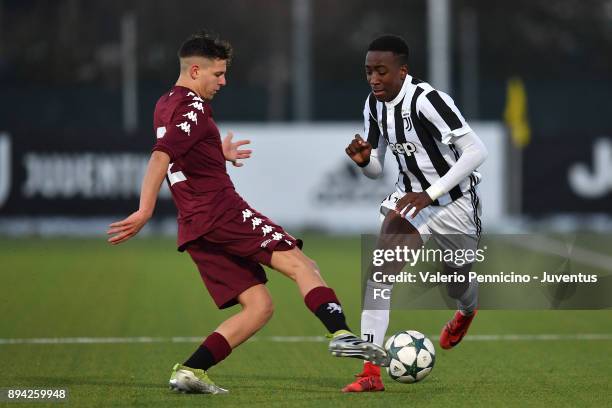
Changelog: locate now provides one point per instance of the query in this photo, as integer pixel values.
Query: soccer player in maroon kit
(226, 238)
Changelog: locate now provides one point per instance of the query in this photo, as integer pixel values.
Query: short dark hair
(206, 44)
(393, 43)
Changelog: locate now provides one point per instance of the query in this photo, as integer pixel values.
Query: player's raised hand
(412, 203)
(231, 151)
(359, 150)
(125, 229)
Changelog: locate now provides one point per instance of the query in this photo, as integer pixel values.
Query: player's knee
(266, 310)
(296, 265)
(262, 311)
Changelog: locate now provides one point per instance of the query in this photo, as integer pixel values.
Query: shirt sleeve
(379, 145)
(439, 109)
(183, 131)
(473, 154)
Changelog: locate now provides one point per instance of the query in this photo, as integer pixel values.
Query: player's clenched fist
(359, 151)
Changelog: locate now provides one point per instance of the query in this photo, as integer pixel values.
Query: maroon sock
(214, 349)
(322, 301)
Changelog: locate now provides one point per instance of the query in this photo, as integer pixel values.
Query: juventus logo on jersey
(407, 122)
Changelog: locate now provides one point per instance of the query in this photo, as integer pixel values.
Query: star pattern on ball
(411, 368)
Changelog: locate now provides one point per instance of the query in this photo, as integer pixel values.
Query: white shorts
(460, 218)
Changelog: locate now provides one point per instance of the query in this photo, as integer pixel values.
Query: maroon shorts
(229, 256)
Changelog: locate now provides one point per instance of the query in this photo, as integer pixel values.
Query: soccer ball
(412, 356)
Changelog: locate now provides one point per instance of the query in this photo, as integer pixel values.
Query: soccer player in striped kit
(438, 155)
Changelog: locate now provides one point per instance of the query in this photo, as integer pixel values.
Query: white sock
(375, 314)
(374, 325)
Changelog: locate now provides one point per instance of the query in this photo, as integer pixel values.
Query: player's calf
(257, 309)
(323, 303)
(320, 299)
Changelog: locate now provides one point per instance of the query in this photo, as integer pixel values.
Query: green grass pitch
(84, 288)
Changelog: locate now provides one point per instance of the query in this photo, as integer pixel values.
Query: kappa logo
(265, 243)
(195, 97)
(256, 221)
(186, 127)
(247, 214)
(334, 308)
(192, 117)
(198, 106)
(406, 148)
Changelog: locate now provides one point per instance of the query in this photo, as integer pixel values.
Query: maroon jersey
(197, 177)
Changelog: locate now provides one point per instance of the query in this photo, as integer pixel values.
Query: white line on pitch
(552, 246)
(292, 339)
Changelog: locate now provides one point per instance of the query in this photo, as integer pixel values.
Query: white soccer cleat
(346, 344)
(192, 380)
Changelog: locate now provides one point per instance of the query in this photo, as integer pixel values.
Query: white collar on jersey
(402, 92)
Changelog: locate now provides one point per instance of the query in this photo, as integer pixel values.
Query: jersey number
(175, 177)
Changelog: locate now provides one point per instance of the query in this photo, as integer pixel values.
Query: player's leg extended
(456, 226)
(322, 301)
(191, 376)
(395, 232)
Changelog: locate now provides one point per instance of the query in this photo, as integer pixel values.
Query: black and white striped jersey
(418, 126)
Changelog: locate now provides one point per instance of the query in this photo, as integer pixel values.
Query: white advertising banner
(300, 177)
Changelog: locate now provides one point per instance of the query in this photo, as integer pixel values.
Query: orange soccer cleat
(367, 381)
(455, 329)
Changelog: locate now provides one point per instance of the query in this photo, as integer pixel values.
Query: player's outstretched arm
(359, 151)
(231, 151)
(125, 229)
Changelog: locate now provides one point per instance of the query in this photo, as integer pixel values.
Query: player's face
(385, 74)
(210, 77)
